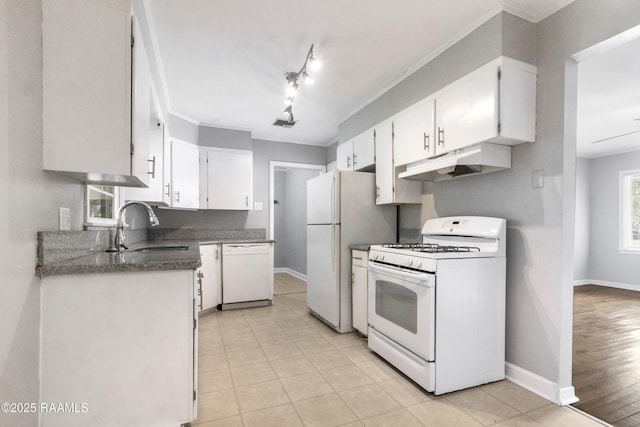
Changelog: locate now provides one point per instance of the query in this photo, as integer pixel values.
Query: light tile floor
(279, 366)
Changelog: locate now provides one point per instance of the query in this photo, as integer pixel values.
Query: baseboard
(626, 286)
(540, 386)
(291, 272)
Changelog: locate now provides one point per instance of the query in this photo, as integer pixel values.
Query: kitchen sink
(161, 248)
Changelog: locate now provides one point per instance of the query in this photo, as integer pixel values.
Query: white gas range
(437, 309)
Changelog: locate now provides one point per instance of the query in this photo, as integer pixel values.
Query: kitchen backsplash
(204, 234)
(410, 235)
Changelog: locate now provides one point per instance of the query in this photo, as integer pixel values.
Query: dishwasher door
(246, 273)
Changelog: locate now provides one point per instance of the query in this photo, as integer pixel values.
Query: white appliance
(341, 210)
(437, 309)
(247, 275)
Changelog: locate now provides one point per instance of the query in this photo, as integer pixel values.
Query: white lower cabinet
(209, 278)
(359, 289)
(389, 188)
(119, 346)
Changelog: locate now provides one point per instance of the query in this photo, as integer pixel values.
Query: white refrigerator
(341, 210)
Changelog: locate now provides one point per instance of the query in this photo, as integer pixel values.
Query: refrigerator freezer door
(323, 199)
(323, 272)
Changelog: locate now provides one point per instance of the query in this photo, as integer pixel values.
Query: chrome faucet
(118, 241)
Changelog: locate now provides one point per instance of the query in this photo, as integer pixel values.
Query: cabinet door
(359, 279)
(229, 179)
(209, 277)
(414, 133)
(86, 87)
(384, 164)
(142, 164)
(184, 174)
(344, 156)
(364, 151)
(154, 194)
(467, 111)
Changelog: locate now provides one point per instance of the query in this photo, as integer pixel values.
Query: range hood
(477, 159)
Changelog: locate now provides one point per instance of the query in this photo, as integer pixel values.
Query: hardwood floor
(606, 353)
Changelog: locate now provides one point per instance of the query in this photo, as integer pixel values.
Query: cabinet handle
(153, 167)
(440, 136)
(426, 141)
(355, 157)
(377, 192)
(348, 161)
(200, 276)
(178, 196)
(168, 193)
(246, 201)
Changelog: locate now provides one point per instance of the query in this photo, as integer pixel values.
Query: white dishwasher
(247, 275)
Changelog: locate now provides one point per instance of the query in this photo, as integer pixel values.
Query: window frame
(625, 221)
(92, 221)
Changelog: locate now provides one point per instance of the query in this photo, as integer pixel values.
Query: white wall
(29, 201)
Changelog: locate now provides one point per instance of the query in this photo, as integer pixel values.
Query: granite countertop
(362, 246)
(132, 259)
(83, 252)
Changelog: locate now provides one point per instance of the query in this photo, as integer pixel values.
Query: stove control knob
(418, 263)
(410, 262)
(381, 257)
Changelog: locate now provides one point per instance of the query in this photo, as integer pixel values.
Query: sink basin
(161, 248)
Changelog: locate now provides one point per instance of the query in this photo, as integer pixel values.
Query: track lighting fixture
(292, 78)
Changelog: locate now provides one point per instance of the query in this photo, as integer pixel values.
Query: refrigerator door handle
(333, 198)
(333, 248)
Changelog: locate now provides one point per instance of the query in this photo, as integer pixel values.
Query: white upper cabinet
(496, 103)
(157, 192)
(389, 188)
(226, 179)
(344, 156)
(414, 133)
(184, 175)
(357, 154)
(87, 97)
(364, 151)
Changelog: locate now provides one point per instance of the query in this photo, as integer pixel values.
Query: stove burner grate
(431, 248)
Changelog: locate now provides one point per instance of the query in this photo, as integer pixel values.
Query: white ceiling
(609, 101)
(223, 62)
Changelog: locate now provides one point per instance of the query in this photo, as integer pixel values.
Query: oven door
(402, 307)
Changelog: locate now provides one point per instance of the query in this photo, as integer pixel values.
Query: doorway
(288, 214)
(606, 367)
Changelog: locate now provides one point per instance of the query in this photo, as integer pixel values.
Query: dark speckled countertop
(132, 259)
(83, 252)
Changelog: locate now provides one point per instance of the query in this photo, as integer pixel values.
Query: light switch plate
(537, 179)
(64, 219)
(257, 206)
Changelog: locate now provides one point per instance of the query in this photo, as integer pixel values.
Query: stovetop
(431, 248)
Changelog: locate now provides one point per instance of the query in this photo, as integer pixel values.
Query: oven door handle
(424, 279)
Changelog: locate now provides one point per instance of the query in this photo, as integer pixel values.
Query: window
(102, 205)
(630, 211)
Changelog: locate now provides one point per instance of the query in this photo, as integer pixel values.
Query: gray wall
(29, 200)
(182, 129)
(224, 138)
(280, 218)
(605, 263)
(540, 221)
(297, 218)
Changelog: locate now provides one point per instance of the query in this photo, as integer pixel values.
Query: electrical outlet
(64, 219)
(257, 206)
